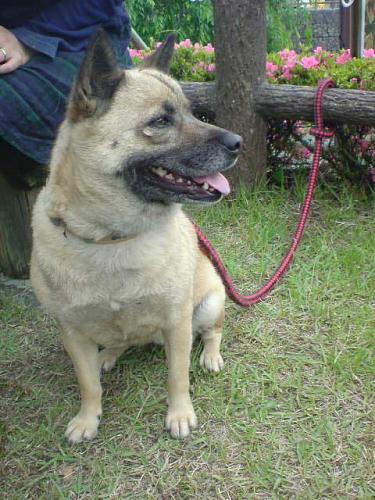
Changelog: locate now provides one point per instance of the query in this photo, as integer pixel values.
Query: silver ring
(5, 54)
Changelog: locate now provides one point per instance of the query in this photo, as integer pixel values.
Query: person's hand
(16, 53)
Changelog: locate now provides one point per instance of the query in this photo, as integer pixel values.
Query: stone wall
(325, 26)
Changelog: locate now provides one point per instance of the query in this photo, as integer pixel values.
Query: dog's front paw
(181, 420)
(82, 427)
(213, 362)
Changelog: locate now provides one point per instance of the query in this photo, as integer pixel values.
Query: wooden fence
(265, 101)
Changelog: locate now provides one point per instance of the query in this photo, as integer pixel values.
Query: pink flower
(354, 80)
(306, 153)
(302, 153)
(270, 69)
(298, 128)
(134, 53)
(344, 57)
(201, 65)
(290, 64)
(318, 50)
(158, 44)
(287, 54)
(363, 146)
(208, 48)
(309, 62)
(197, 47)
(368, 53)
(211, 68)
(186, 43)
(286, 75)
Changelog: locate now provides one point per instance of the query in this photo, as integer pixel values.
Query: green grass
(291, 415)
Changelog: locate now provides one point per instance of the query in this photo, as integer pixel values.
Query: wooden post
(240, 44)
(15, 230)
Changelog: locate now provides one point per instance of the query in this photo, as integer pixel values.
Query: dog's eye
(161, 121)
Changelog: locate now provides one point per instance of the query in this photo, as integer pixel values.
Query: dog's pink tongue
(217, 181)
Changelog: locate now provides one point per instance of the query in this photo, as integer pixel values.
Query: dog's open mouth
(204, 188)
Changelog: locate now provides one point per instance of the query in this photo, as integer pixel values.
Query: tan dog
(115, 260)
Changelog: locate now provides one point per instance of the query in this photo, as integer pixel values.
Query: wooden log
(297, 103)
(202, 97)
(294, 102)
(15, 229)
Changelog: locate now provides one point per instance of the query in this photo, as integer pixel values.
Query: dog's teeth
(179, 180)
(188, 183)
(169, 177)
(205, 186)
(160, 171)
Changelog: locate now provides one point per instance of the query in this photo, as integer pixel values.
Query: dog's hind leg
(84, 355)
(208, 322)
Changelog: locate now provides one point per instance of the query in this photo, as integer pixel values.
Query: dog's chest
(128, 312)
(124, 323)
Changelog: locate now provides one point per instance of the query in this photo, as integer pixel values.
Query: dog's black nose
(233, 142)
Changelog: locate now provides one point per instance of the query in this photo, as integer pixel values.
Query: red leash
(320, 133)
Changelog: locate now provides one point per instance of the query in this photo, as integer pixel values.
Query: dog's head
(137, 127)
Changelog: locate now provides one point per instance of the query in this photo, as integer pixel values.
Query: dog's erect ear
(161, 58)
(97, 79)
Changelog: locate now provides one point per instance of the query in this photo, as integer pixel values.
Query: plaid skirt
(33, 99)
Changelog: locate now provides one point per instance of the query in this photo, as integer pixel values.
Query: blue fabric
(33, 98)
(64, 25)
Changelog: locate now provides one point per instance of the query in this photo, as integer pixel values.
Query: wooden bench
(16, 203)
